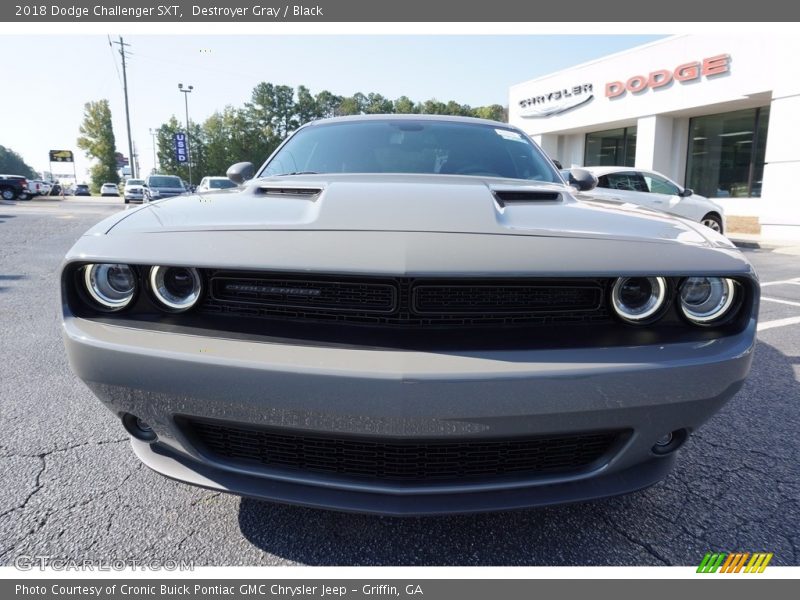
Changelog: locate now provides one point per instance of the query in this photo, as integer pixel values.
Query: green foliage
(97, 141)
(11, 163)
(251, 133)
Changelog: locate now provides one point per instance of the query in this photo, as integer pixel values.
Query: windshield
(220, 184)
(409, 146)
(135, 182)
(166, 182)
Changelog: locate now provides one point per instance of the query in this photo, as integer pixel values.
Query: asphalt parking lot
(73, 489)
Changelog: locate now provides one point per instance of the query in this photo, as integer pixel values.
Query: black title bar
(239, 11)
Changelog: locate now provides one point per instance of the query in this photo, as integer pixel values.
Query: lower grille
(407, 461)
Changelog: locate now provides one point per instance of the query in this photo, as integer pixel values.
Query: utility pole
(153, 134)
(122, 45)
(186, 91)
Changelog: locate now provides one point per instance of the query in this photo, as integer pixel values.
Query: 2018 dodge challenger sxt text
(408, 315)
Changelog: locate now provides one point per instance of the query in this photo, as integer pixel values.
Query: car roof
(609, 169)
(411, 117)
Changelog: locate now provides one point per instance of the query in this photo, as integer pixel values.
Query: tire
(24, 196)
(7, 194)
(127, 201)
(712, 221)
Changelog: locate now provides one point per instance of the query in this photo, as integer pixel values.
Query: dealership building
(719, 114)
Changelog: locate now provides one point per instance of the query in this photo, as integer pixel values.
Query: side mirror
(241, 172)
(582, 179)
(686, 192)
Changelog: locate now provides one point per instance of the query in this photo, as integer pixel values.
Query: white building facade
(717, 113)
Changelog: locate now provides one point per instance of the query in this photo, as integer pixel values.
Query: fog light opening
(138, 428)
(669, 442)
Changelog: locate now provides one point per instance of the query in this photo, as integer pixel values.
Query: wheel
(24, 196)
(127, 201)
(7, 194)
(712, 221)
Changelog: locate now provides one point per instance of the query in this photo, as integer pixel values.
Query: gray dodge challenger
(408, 315)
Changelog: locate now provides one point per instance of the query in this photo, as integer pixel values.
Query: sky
(56, 75)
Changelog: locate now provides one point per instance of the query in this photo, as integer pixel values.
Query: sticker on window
(509, 135)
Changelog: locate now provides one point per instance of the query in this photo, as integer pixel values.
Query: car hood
(406, 203)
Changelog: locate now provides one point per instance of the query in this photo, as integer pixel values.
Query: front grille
(406, 302)
(402, 460)
(306, 293)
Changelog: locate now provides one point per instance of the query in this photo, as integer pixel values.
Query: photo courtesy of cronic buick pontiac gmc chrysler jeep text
(408, 315)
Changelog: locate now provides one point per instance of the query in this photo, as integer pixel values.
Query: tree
(433, 107)
(12, 163)
(328, 104)
(405, 106)
(493, 112)
(97, 141)
(378, 105)
(307, 107)
(228, 140)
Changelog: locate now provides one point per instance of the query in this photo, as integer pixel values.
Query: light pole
(153, 134)
(186, 91)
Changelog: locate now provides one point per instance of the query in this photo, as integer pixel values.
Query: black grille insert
(298, 293)
(406, 302)
(402, 460)
(504, 298)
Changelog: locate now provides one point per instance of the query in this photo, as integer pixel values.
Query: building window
(614, 147)
(726, 153)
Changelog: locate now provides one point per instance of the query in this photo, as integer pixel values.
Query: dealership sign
(61, 156)
(691, 71)
(181, 149)
(560, 101)
(556, 102)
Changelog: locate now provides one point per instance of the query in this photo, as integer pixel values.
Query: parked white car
(109, 189)
(656, 191)
(213, 184)
(134, 190)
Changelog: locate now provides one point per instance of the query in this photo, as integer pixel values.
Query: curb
(756, 245)
(750, 244)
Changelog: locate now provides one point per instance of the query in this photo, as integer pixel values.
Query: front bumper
(647, 391)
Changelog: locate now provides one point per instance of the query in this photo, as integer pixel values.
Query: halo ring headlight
(706, 299)
(176, 288)
(111, 286)
(638, 299)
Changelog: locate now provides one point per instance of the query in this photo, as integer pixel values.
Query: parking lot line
(778, 323)
(795, 281)
(780, 301)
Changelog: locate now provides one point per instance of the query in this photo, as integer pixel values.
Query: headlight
(177, 288)
(636, 299)
(112, 286)
(706, 299)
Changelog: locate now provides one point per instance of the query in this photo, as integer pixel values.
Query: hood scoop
(289, 192)
(504, 197)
